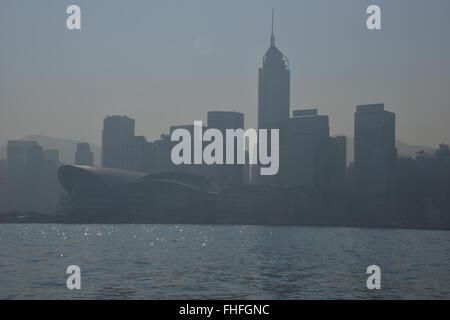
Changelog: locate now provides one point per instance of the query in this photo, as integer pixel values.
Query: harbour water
(221, 262)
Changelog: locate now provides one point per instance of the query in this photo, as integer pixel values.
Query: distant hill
(66, 148)
(402, 149)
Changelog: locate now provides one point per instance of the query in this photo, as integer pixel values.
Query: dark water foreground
(221, 262)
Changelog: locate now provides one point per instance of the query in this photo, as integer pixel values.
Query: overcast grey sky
(168, 62)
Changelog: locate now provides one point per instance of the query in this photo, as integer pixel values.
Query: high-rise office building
(34, 178)
(4, 201)
(274, 89)
(51, 155)
(338, 158)
(52, 188)
(117, 132)
(162, 149)
(306, 164)
(84, 156)
(17, 155)
(375, 158)
(227, 174)
(139, 155)
(200, 169)
(337, 170)
(422, 189)
(273, 101)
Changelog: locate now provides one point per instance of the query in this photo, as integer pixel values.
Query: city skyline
(229, 86)
(228, 150)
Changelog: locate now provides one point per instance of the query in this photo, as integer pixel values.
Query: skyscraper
(52, 188)
(274, 89)
(34, 178)
(162, 149)
(306, 163)
(227, 175)
(337, 170)
(84, 156)
(17, 157)
(117, 132)
(273, 100)
(200, 169)
(139, 155)
(375, 158)
(4, 200)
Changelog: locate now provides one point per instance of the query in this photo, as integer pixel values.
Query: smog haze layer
(169, 62)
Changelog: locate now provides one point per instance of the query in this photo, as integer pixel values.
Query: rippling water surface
(221, 262)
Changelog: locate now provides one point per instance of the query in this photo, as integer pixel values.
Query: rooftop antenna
(272, 36)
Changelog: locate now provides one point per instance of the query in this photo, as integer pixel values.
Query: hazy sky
(168, 62)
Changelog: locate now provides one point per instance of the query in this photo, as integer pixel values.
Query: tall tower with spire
(274, 89)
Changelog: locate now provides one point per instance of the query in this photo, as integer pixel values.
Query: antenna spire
(272, 36)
